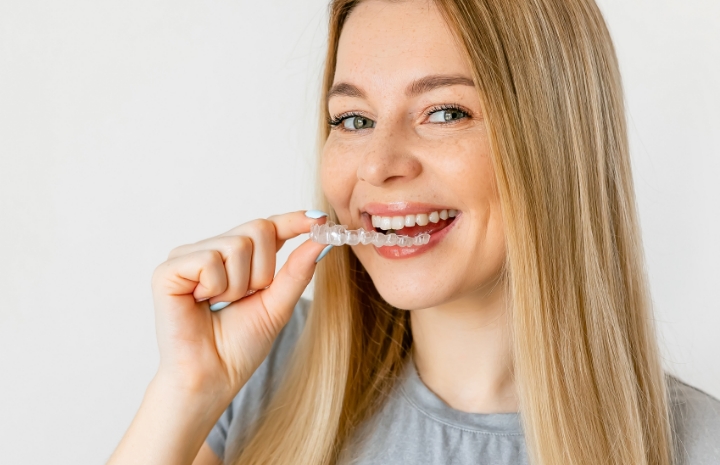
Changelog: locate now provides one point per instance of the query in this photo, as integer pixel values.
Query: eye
(446, 113)
(351, 122)
(358, 122)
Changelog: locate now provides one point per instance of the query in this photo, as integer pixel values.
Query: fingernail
(219, 306)
(203, 300)
(315, 214)
(323, 253)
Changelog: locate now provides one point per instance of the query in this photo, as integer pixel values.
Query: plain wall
(130, 127)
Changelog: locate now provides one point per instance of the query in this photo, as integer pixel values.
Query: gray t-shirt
(416, 427)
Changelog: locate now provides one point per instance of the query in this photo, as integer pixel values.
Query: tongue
(429, 228)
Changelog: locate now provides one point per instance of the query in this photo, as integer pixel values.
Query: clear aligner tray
(338, 234)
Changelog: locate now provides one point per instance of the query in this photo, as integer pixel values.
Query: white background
(130, 127)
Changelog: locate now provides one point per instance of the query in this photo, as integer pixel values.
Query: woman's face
(412, 141)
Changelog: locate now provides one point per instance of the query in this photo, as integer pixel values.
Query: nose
(388, 158)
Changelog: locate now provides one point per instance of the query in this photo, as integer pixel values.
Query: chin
(411, 284)
(413, 295)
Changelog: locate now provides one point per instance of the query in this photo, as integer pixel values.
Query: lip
(397, 252)
(401, 208)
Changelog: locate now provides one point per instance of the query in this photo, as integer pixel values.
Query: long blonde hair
(587, 368)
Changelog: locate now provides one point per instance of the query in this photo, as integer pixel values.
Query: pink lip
(395, 252)
(401, 208)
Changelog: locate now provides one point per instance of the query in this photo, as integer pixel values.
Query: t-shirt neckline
(422, 398)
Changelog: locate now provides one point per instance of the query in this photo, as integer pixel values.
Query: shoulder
(235, 424)
(696, 423)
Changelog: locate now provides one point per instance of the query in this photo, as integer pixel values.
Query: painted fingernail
(323, 253)
(219, 306)
(315, 214)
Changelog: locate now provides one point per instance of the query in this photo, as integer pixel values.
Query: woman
(520, 334)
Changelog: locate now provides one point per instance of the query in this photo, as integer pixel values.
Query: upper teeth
(421, 219)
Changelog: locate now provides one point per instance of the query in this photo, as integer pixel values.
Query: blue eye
(446, 114)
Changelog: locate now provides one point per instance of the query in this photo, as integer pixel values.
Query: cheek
(337, 178)
(466, 170)
(469, 177)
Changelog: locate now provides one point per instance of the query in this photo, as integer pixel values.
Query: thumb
(280, 297)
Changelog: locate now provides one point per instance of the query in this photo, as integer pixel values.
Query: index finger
(287, 225)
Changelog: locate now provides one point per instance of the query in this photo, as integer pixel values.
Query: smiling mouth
(411, 225)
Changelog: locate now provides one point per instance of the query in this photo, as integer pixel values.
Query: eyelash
(335, 120)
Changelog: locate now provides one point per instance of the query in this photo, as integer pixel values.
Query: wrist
(200, 399)
(171, 424)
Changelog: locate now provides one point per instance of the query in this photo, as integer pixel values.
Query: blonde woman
(521, 333)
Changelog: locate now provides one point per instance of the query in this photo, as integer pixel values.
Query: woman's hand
(205, 351)
(206, 356)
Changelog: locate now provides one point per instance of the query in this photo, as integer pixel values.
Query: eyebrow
(417, 87)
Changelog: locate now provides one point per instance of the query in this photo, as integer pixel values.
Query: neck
(462, 352)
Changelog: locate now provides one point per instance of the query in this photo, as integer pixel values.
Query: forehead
(393, 42)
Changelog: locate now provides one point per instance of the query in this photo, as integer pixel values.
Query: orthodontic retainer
(338, 234)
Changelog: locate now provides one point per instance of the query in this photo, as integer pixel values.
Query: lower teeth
(338, 234)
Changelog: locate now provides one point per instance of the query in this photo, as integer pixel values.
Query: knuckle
(239, 244)
(210, 257)
(215, 276)
(300, 280)
(175, 252)
(162, 276)
(298, 275)
(264, 227)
